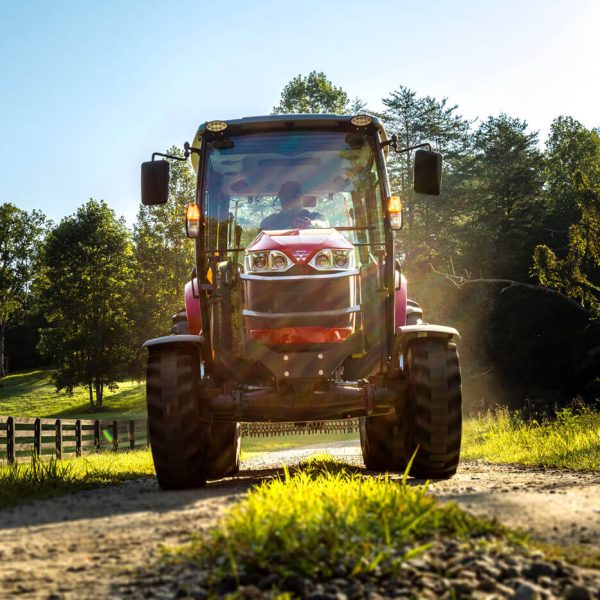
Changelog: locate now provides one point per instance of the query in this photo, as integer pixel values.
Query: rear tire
(225, 449)
(186, 447)
(432, 424)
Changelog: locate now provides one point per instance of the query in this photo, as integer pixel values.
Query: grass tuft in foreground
(571, 441)
(326, 518)
(24, 482)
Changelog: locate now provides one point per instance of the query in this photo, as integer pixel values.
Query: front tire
(432, 424)
(186, 447)
(179, 435)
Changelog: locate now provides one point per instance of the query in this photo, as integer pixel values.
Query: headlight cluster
(327, 260)
(272, 260)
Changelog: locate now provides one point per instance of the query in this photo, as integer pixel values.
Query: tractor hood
(300, 245)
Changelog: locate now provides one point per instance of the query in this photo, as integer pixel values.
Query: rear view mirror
(428, 172)
(155, 182)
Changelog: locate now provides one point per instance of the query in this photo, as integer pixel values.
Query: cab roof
(286, 121)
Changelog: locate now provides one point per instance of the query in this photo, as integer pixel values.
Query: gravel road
(89, 544)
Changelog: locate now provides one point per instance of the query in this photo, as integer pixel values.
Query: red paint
(302, 335)
(300, 245)
(400, 302)
(192, 307)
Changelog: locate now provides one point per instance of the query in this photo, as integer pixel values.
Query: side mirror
(155, 182)
(428, 172)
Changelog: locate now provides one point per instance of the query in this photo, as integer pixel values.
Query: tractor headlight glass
(272, 260)
(327, 260)
(279, 261)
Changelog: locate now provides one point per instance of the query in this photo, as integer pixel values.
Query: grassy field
(32, 394)
(571, 441)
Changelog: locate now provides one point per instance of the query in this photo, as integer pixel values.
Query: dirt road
(87, 545)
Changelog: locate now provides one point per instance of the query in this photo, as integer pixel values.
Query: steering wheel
(301, 223)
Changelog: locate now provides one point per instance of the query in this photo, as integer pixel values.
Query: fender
(410, 332)
(400, 300)
(192, 307)
(174, 339)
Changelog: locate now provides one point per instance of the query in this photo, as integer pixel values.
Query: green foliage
(25, 482)
(163, 256)
(314, 94)
(430, 223)
(85, 292)
(327, 518)
(570, 148)
(578, 273)
(507, 201)
(32, 394)
(570, 441)
(20, 236)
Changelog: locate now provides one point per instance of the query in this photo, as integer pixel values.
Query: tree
(508, 204)
(87, 280)
(570, 148)
(314, 94)
(429, 234)
(578, 273)
(20, 236)
(163, 255)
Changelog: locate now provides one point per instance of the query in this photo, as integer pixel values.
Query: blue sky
(88, 89)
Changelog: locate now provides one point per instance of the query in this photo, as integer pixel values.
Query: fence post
(115, 433)
(78, 437)
(10, 440)
(97, 435)
(37, 437)
(132, 435)
(58, 429)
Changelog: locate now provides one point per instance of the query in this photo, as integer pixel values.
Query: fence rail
(22, 437)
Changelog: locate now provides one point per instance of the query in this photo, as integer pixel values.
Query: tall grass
(328, 519)
(23, 482)
(569, 441)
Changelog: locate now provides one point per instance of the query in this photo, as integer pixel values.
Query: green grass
(325, 518)
(24, 482)
(32, 394)
(571, 441)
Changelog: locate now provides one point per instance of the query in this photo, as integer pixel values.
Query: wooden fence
(21, 437)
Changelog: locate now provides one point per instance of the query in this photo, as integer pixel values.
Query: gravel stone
(577, 592)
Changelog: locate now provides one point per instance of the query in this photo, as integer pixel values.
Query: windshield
(288, 180)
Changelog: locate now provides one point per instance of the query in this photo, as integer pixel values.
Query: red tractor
(296, 309)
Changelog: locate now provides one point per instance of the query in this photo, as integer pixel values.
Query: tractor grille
(277, 303)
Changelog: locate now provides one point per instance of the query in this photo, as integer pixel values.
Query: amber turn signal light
(395, 210)
(192, 221)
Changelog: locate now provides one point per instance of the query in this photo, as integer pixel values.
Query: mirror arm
(187, 150)
(393, 142)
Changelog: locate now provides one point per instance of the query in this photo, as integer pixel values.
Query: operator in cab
(293, 215)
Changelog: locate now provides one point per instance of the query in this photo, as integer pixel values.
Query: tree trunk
(99, 393)
(91, 391)
(2, 331)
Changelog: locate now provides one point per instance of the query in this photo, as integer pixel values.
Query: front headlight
(331, 260)
(272, 260)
